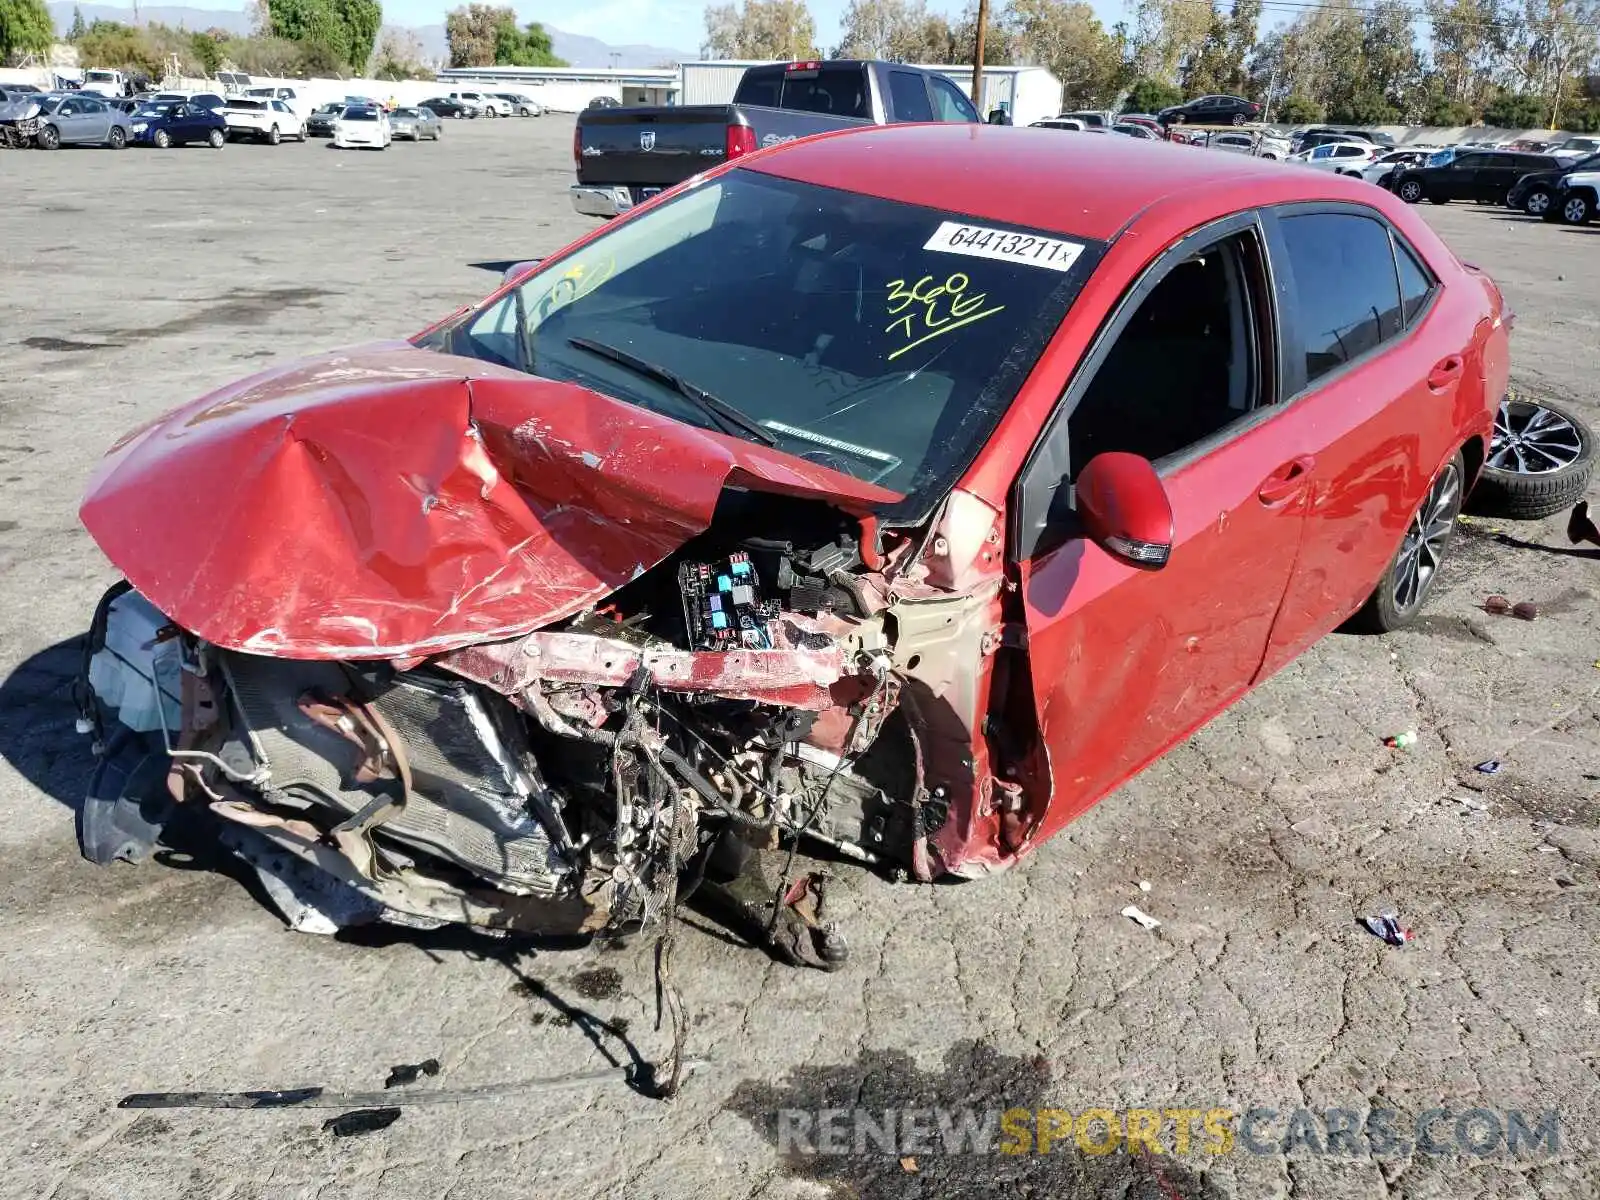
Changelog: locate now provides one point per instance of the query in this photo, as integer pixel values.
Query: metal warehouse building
(1030, 93)
(569, 89)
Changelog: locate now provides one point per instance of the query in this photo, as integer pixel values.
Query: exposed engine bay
(741, 694)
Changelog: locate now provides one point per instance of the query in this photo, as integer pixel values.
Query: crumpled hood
(391, 502)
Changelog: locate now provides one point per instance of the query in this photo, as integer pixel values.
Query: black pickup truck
(626, 155)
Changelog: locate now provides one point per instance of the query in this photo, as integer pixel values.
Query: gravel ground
(133, 281)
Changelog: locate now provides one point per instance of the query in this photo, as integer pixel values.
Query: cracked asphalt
(132, 281)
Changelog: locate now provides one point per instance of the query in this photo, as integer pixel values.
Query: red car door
(1125, 661)
(1377, 358)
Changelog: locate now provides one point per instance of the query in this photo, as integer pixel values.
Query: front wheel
(117, 139)
(1238, 118)
(162, 139)
(1537, 202)
(1575, 210)
(1410, 191)
(1412, 572)
(48, 137)
(524, 111)
(273, 136)
(215, 139)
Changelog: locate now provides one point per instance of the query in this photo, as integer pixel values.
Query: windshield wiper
(729, 418)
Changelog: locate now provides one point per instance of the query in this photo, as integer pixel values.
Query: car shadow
(38, 719)
(498, 266)
(1516, 543)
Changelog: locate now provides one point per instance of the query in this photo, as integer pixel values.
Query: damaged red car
(901, 491)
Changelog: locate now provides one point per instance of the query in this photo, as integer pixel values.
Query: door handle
(1286, 481)
(1445, 372)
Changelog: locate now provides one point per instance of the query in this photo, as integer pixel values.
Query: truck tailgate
(654, 146)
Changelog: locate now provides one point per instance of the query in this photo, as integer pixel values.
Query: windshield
(99, 76)
(881, 339)
(1440, 158)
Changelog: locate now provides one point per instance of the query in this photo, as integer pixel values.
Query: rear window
(829, 90)
(881, 339)
(360, 114)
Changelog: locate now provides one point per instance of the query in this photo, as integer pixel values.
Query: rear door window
(908, 92)
(1347, 293)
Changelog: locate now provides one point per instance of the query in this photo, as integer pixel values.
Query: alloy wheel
(1529, 439)
(1575, 210)
(1430, 531)
(1411, 191)
(1538, 203)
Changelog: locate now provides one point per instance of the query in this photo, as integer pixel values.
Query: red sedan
(905, 490)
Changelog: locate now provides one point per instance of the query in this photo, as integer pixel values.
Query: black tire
(1537, 202)
(1238, 118)
(215, 140)
(273, 136)
(1523, 496)
(1576, 208)
(48, 138)
(1408, 580)
(117, 139)
(1410, 190)
(162, 139)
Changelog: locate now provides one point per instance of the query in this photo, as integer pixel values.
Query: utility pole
(977, 58)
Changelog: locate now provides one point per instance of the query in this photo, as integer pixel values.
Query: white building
(569, 89)
(1029, 93)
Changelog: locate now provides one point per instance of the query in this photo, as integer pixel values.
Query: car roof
(1089, 187)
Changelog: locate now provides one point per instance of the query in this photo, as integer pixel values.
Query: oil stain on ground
(598, 983)
(974, 1079)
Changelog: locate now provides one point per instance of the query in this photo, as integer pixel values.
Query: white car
(105, 83)
(366, 126)
(1578, 197)
(1342, 158)
(290, 96)
(1384, 163)
(487, 105)
(269, 121)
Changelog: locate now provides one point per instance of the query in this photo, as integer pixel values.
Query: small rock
(1144, 920)
(1144, 885)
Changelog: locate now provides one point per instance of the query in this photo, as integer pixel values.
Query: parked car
(603, 102)
(1135, 130)
(321, 121)
(1534, 193)
(363, 126)
(1145, 119)
(1088, 118)
(204, 99)
(104, 82)
(484, 103)
(1392, 162)
(289, 95)
(177, 123)
(415, 124)
(1482, 175)
(626, 155)
(126, 104)
(1577, 197)
(1576, 147)
(746, 512)
(1260, 145)
(1342, 158)
(263, 119)
(520, 105)
(1314, 135)
(1071, 124)
(443, 106)
(1211, 110)
(80, 119)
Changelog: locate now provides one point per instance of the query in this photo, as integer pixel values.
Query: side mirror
(517, 270)
(1125, 510)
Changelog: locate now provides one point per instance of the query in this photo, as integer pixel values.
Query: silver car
(80, 119)
(415, 123)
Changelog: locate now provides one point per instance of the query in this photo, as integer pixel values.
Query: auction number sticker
(979, 241)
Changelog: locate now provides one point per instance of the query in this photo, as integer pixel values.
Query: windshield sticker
(576, 282)
(928, 309)
(979, 241)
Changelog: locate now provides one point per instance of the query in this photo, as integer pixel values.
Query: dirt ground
(132, 281)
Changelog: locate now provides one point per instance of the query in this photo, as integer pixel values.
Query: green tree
(472, 32)
(1070, 40)
(361, 20)
(207, 51)
(25, 25)
(1300, 110)
(119, 47)
(1151, 96)
(78, 28)
(1514, 110)
(526, 47)
(892, 29)
(314, 22)
(775, 29)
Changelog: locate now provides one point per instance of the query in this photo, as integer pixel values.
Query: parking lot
(133, 280)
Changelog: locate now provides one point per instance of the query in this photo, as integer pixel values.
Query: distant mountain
(578, 50)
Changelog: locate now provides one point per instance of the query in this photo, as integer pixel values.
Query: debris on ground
(1523, 610)
(361, 1120)
(1489, 766)
(908, 1164)
(1144, 885)
(406, 1073)
(1401, 741)
(1387, 926)
(1142, 918)
(1475, 803)
(1580, 527)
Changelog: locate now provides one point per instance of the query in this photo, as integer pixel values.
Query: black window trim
(1026, 544)
(1291, 341)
